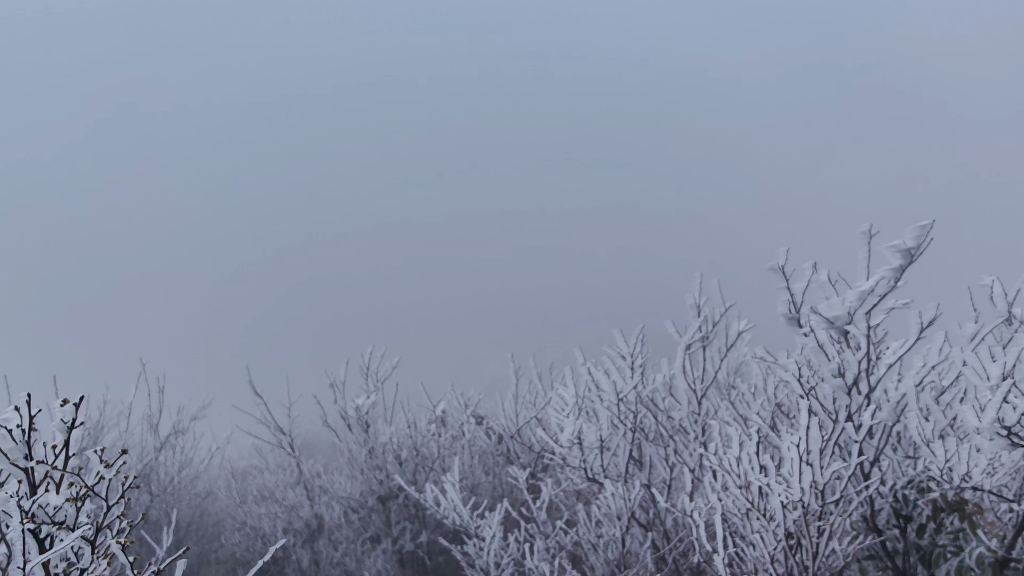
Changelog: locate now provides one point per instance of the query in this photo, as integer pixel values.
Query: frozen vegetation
(866, 447)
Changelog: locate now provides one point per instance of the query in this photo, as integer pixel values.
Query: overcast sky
(212, 184)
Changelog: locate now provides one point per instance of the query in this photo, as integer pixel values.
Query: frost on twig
(864, 448)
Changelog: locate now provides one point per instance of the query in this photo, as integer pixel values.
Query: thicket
(866, 447)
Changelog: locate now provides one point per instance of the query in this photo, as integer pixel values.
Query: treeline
(867, 447)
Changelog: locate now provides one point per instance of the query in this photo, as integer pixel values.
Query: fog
(220, 184)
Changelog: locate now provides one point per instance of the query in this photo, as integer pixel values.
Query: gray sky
(211, 184)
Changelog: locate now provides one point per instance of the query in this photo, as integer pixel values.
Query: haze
(215, 184)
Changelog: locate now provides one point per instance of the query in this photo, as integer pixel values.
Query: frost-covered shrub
(869, 446)
(63, 510)
(344, 510)
(613, 458)
(865, 448)
(65, 507)
(176, 465)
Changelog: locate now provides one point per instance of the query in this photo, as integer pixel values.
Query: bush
(865, 448)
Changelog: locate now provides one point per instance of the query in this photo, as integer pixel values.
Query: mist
(222, 188)
(215, 185)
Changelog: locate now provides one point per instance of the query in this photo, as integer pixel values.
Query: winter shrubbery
(876, 444)
(863, 449)
(66, 509)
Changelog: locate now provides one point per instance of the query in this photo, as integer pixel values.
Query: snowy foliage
(876, 444)
(64, 508)
(172, 460)
(862, 449)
